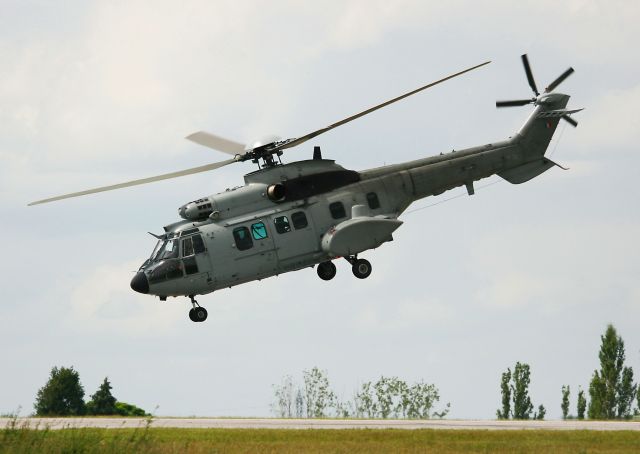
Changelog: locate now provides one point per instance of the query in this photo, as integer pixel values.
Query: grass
(20, 439)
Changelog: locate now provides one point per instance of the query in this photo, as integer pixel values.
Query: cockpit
(174, 256)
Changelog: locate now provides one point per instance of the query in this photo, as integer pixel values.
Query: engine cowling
(198, 210)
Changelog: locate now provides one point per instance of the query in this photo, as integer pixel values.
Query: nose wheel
(197, 313)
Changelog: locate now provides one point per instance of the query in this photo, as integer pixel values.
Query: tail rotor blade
(559, 80)
(514, 103)
(570, 120)
(527, 70)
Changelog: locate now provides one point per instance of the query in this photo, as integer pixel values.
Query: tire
(199, 314)
(361, 269)
(326, 271)
(192, 315)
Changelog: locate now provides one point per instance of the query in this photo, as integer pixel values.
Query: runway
(266, 423)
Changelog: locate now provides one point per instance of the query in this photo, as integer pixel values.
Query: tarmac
(272, 423)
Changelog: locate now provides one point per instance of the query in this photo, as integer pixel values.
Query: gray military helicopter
(292, 216)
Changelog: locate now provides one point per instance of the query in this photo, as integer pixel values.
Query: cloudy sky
(94, 93)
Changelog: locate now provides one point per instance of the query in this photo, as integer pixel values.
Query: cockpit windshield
(165, 249)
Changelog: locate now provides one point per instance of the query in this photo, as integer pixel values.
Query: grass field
(155, 440)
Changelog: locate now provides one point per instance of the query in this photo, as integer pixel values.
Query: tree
(611, 388)
(125, 409)
(62, 395)
(582, 404)
(565, 401)
(505, 390)
(284, 398)
(522, 406)
(299, 404)
(541, 412)
(318, 394)
(102, 402)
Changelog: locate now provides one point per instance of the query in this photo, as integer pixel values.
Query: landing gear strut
(197, 313)
(361, 268)
(326, 271)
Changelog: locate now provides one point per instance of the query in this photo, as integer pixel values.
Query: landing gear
(326, 271)
(361, 268)
(197, 313)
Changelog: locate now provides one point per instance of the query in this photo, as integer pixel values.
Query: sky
(95, 93)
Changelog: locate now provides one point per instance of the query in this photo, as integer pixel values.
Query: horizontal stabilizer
(556, 113)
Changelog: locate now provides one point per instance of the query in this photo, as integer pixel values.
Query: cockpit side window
(243, 238)
(170, 250)
(198, 244)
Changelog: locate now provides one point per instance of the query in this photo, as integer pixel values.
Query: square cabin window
(243, 239)
(259, 231)
(282, 224)
(299, 220)
(372, 200)
(337, 210)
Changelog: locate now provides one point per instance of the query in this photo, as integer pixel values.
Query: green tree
(541, 412)
(522, 406)
(102, 402)
(582, 404)
(318, 395)
(565, 401)
(611, 388)
(505, 390)
(62, 395)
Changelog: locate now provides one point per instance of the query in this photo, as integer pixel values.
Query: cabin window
(259, 231)
(282, 224)
(299, 220)
(190, 265)
(187, 247)
(243, 239)
(372, 200)
(337, 210)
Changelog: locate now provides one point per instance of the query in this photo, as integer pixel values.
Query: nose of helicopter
(139, 283)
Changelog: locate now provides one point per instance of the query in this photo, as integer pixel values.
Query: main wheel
(199, 314)
(326, 271)
(192, 316)
(361, 268)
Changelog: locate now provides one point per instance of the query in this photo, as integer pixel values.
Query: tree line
(388, 397)
(63, 395)
(612, 391)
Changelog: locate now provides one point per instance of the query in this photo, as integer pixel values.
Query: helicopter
(308, 213)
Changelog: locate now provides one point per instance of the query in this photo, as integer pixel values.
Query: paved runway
(224, 423)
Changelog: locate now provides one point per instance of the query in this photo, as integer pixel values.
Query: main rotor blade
(559, 80)
(514, 103)
(313, 134)
(165, 176)
(527, 70)
(216, 142)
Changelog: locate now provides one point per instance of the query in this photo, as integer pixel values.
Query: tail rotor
(538, 98)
